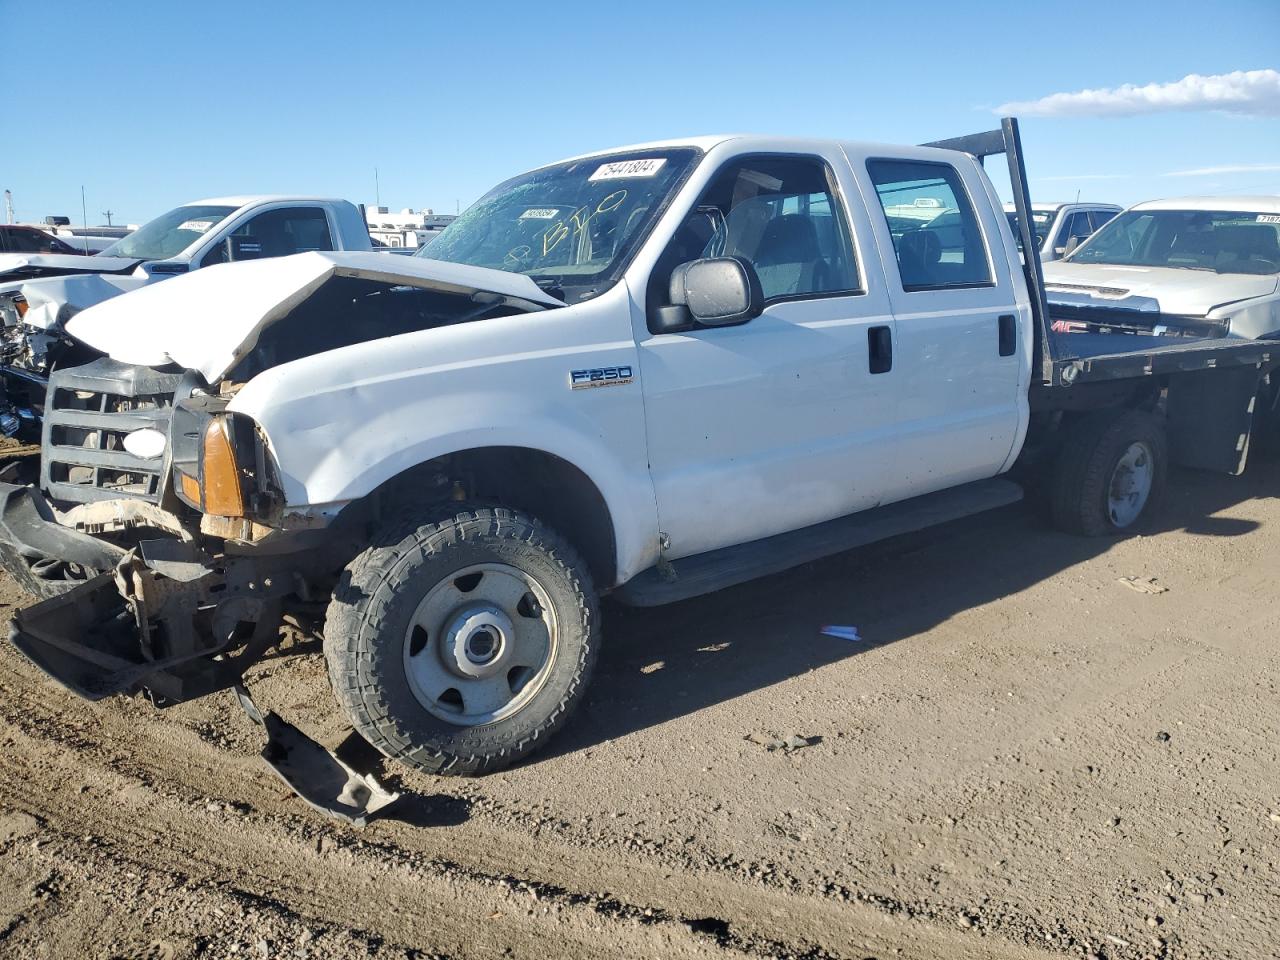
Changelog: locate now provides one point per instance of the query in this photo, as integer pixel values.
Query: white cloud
(1230, 168)
(1250, 92)
(1082, 176)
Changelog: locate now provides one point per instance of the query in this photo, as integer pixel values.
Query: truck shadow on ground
(661, 663)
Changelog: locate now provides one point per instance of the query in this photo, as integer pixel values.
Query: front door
(777, 423)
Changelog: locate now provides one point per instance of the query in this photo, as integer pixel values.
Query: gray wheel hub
(1130, 485)
(477, 642)
(480, 644)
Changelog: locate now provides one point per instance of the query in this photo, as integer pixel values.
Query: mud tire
(372, 609)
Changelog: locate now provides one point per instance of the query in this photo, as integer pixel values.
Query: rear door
(780, 422)
(959, 349)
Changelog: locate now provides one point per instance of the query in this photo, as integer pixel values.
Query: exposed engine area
(28, 354)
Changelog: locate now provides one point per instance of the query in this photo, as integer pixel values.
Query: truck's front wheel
(1110, 471)
(461, 643)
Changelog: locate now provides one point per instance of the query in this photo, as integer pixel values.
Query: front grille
(88, 412)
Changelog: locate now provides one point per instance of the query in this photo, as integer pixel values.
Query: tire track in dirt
(88, 770)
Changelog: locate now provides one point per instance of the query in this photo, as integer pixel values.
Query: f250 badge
(600, 377)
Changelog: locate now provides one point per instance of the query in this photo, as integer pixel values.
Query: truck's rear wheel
(461, 643)
(1109, 473)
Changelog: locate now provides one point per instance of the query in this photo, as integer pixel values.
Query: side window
(783, 215)
(935, 231)
(32, 241)
(281, 232)
(1099, 217)
(1076, 228)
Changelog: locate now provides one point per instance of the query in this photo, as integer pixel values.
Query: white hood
(52, 299)
(1170, 290)
(209, 319)
(27, 263)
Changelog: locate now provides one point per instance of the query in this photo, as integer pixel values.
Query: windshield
(170, 233)
(1041, 221)
(1222, 241)
(572, 224)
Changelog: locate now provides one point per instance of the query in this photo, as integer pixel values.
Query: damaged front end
(33, 339)
(168, 621)
(147, 588)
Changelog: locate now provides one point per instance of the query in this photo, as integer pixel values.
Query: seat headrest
(743, 228)
(920, 246)
(1248, 240)
(307, 234)
(790, 238)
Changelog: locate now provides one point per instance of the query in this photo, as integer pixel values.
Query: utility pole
(8, 206)
(84, 218)
(377, 189)
(107, 214)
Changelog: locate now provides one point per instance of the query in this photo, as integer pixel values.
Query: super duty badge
(600, 377)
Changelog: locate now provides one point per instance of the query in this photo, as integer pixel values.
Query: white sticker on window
(197, 226)
(625, 169)
(539, 213)
(762, 180)
(1268, 218)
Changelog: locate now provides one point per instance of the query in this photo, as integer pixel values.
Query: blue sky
(148, 105)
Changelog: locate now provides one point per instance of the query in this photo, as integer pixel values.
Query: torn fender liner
(27, 527)
(314, 773)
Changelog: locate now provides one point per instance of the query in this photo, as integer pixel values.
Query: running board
(728, 566)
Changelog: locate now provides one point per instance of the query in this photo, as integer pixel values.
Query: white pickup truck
(40, 292)
(652, 372)
(1061, 227)
(1198, 265)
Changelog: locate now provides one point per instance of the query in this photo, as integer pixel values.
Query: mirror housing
(243, 248)
(718, 291)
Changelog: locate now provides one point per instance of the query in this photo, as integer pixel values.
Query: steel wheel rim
(480, 644)
(1130, 485)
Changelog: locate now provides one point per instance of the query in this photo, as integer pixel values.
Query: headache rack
(88, 412)
(1069, 358)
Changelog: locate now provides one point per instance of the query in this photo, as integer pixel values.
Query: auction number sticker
(539, 213)
(1268, 218)
(197, 226)
(628, 169)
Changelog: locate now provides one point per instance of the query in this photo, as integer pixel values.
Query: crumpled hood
(14, 266)
(51, 300)
(1187, 293)
(207, 320)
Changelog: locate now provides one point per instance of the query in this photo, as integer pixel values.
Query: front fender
(336, 437)
(1256, 320)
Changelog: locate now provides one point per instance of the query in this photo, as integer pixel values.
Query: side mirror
(719, 291)
(243, 248)
(1072, 243)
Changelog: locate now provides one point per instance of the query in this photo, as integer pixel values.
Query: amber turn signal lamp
(21, 304)
(223, 491)
(190, 487)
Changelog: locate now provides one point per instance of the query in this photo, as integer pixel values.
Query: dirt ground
(1023, 758)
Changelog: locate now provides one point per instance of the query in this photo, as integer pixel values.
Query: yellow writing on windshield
(578, 220)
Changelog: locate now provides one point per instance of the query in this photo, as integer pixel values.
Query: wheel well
(534, 481)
